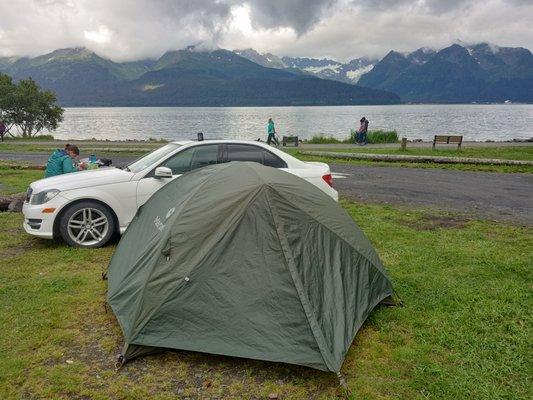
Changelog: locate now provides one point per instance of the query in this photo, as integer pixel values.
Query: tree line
(26, 109)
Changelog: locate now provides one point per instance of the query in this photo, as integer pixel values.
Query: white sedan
(86, 208)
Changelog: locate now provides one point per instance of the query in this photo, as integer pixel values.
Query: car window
(246, 152)
(272, 160)
(151, 158)
(243, 152)
(180, 163)
(204, 155)
(192, 158)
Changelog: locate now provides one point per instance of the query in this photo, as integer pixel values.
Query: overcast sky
(341, 29)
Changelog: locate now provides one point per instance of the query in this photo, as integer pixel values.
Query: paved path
(480, 194)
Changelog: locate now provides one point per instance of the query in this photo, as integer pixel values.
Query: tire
(87, 224)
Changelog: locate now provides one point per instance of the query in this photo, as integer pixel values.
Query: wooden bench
(447, 139)
(290, 139)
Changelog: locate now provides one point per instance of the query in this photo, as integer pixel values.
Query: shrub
(377, 136)
(382, 137)
(372, 136)
(319, 139)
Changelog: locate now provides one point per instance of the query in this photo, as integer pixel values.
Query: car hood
(82, 179)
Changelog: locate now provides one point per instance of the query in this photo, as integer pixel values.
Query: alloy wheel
(87, 226)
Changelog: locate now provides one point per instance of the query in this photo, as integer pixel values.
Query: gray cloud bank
(133, 29)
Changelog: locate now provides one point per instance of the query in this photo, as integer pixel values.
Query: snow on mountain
(355, 74)
(334, 68)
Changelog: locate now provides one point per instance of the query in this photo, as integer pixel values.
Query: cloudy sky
(341, 29)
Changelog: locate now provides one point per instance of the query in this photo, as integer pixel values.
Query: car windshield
(151, 158)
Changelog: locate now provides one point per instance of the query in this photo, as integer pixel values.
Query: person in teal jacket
(61, 161)
(271, 130)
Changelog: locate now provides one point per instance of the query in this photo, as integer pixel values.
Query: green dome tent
(244, 260)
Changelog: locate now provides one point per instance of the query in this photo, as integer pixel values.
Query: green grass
(372, 136)
(17, 180)
(460, 167)
(464, 330)
(503, 152)
(375, 137)
(102, 148)
(320, 139)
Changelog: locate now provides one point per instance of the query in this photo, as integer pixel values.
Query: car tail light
(328, 179)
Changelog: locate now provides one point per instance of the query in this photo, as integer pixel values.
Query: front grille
(28, 194)
(34, 223)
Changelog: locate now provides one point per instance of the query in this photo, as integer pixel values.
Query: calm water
(475, 122)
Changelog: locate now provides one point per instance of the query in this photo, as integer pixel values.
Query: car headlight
(44, 196)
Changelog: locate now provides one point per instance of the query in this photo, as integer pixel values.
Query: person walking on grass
(2, 130)
(62, 161)
(362, 132)
(271, 130)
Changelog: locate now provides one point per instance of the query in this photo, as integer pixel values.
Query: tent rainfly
(244, 260)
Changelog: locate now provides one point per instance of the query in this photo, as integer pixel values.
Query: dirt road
(478, 194)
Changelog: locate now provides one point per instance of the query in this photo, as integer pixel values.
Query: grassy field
(102, 148)
(464, 330)
(17, 180)
(504, 153)
(461, 167)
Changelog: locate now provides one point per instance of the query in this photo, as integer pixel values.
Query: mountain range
(456, 74)
(188, 77)
(192, 77)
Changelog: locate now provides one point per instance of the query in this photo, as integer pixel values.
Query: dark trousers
(272, 138)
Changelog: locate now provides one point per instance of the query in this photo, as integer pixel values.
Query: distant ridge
(187, 77)
(456, 74)
(460, 73)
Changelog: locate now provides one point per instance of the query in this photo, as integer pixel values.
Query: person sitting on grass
(62, 161)
(271, 130)
(361, 132)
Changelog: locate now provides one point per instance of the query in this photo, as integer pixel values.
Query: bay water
(476, 122)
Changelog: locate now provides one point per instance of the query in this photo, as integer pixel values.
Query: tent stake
(121, 360)
(342, 381)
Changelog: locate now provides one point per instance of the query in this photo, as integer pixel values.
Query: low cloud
(343, 29)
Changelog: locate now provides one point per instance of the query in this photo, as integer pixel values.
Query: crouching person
(62, 161)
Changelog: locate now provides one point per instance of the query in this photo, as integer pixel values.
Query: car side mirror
(163, 172)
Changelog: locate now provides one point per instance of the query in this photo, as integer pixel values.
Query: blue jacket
(270, 128)
(59, 163)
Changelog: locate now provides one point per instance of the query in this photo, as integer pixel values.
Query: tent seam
(311, 318)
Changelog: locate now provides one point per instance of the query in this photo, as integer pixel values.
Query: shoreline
(421, 142)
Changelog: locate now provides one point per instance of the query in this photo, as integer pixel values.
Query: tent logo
(169, 213)
(157, 221)
(158, 224)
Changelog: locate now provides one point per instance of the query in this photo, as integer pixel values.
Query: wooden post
(404, 144)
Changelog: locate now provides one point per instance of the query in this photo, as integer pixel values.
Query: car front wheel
(87, 224)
